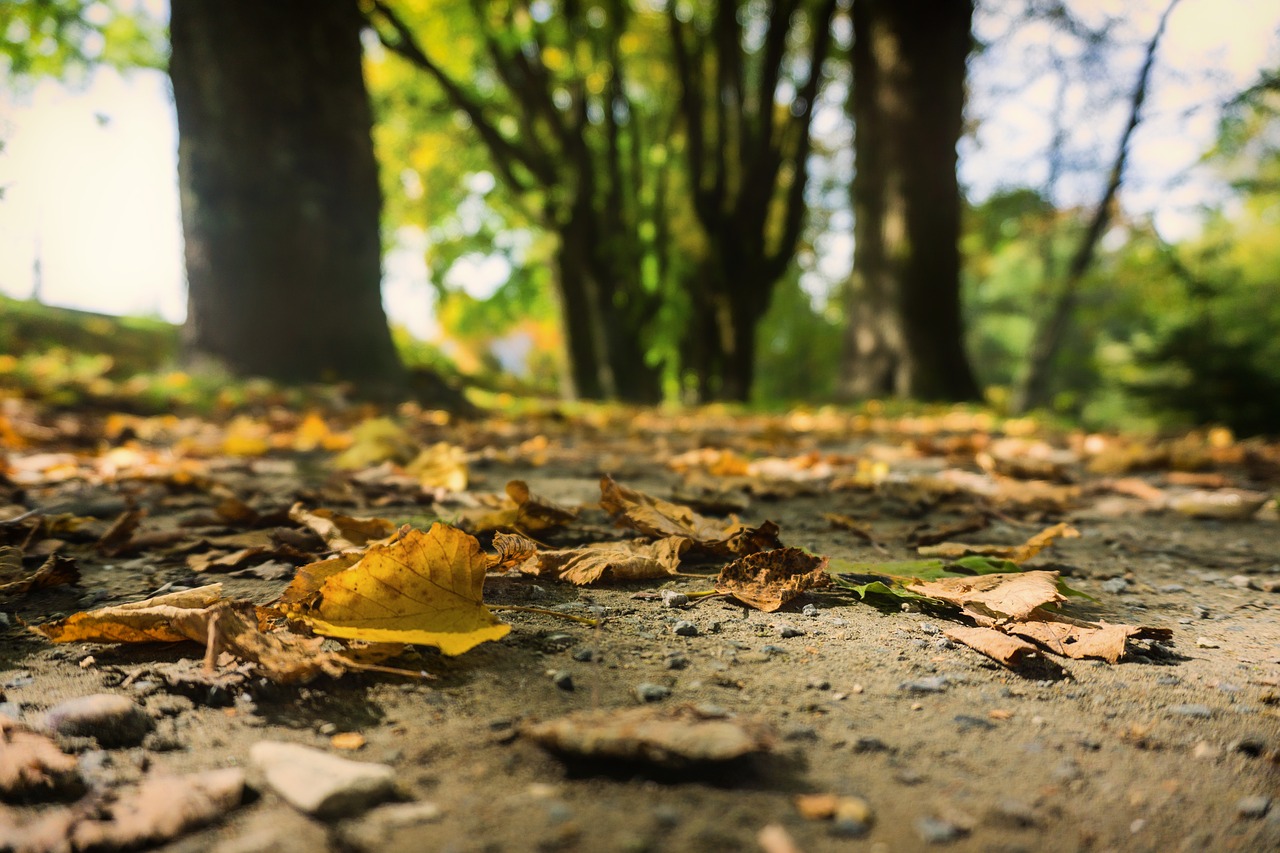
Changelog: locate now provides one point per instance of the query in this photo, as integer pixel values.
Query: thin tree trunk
(279, 191)
(905, 334)
(1034, 389)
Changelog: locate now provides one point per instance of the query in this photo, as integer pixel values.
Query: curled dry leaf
(153, 620)
(618, 561)
(994, 598)
(769, 579)
(421, 588)
(14, 580)
(660, 519)
(513, 549)
(1013, 553)
(667, 737)
(1080, 640)
(521, 510)
(342, 532)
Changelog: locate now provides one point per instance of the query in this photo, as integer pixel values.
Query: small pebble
(942, 644)
(1172, 587)
(648, 692)
(685, 628)
(930, 628)
(1240, 581)
(1206, 643)
(932, 684)
(809, 610)
(321, 784)
(1202, 712)
(787, 631)
(933, 830)
(671, 598)
(966, 722)
(771, 649)
(675, 660)
(563, 679)
(1200, 611)
(1115, 586)
(1253, 807)
(584, 654)
(115, 721)
(1250, 745)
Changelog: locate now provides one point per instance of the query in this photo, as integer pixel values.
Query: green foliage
(65, 38)
(798, 347)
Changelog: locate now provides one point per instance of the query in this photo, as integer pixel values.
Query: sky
(89, 175)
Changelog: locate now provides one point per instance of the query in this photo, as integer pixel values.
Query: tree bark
(1033, 390)
(279, 191)
(905, 333)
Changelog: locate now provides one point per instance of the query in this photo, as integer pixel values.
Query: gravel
(648, 692)
(685, 628)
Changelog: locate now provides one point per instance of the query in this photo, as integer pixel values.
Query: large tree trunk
(279, 190)
(905, 334)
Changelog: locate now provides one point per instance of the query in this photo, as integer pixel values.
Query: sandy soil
(1160, 752)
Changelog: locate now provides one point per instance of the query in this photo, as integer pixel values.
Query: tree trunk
(905, 334)
(279, 191)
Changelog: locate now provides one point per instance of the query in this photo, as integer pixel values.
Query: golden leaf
(422, 588)
(440, 466)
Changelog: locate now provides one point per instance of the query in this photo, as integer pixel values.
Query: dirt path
(1177, 747)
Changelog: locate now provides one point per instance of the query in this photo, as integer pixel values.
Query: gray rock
(1253, 807)
(114, 721)
(671, 598)
(932, 684)
(1115, 586)
(675, 660)
(584, 654)
(563, 679)
(787, 631)
(647, 692)
(321, 784)
(1203, 712)
(685, 628)
(934, 830)
(809, 610)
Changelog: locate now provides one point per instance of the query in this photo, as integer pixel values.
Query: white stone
(321, 784)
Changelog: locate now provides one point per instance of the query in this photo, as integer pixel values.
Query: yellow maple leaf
(422, 588)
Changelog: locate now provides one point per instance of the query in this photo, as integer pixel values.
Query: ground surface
(1169, 749)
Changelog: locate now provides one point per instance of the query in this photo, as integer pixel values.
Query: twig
(545, 612)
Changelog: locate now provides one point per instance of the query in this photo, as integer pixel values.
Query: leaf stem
(545, 612)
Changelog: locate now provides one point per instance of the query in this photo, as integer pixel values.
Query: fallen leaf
(660, 519)
(666, 737)
(994, 598)
(619, 561)
(32, 767)
(440, 466)
(218, 561)
(1080, 640)
(996, 645)
(1013, 553)
(420, 588)
(1224, 504)
(769, 579)
(116, 538)
(374, 441)
(536, 513)
(513, 549)
(14, 580)
(146, 621)
(928, 534)
(342, 532)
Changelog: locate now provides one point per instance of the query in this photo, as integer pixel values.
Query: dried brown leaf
(342, 532)
(618, 561)
(55, 571)
(998, 646)
(660, 519)
(1014, 553)
(1080, 640)
(994, 598)
(769, 579)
